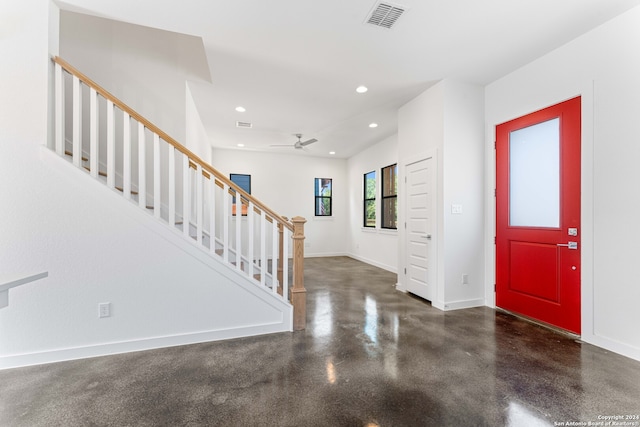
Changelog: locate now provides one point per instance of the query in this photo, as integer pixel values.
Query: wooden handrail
(181, 148)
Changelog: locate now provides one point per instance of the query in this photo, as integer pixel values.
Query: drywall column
(25, 63)
(448, 119)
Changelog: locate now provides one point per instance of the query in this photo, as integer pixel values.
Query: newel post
(298, 293)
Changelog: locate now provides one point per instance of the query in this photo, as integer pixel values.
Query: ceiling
(294, 65)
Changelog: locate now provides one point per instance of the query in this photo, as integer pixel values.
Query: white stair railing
(176, 187)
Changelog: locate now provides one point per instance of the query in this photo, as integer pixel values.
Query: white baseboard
(61, 355)
(324, 254)
(612, 345)
(374, 263)
(459, 305)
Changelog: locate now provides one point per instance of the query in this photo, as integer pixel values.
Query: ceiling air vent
(243, 125)
(385, 14)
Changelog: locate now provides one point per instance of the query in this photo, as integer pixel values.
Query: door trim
(550, 290)
(515, 107)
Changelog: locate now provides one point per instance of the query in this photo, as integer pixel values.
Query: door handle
(570, 245)
(427, 236)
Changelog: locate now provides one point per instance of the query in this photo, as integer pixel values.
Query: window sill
(387, 231)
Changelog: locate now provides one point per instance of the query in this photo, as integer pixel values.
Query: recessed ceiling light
(362, 89)
(332, 152)
(373, 125)
(240, 145)
(240, 109)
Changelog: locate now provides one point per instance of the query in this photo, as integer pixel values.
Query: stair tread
(121, 189)
(69, 153)
(99, 172)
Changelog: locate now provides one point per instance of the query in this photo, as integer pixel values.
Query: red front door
(538, 215)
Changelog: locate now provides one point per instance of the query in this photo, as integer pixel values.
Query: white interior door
(420, 240)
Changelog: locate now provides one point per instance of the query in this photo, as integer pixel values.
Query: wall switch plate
(456, 209)
(104, 309)
(465, 279)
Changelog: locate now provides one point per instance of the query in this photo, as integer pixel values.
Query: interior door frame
(513, 108)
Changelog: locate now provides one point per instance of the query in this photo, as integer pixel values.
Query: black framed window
(323, 196)
(244, 182)
(241, 180)
(369, 207)
(390, 197)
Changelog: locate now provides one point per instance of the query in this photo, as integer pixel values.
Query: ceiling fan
(299, 145)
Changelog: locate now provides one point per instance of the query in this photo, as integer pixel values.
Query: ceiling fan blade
(307, 142)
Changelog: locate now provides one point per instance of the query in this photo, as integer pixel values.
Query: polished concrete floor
(370, 356)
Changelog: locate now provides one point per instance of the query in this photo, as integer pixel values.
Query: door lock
(570, 245)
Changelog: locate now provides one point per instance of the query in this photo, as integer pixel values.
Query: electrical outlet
(104, 309)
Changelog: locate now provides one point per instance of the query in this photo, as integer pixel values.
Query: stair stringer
(153, 306)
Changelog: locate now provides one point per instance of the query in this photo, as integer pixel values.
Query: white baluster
(59, 109)
(274, 256)
(172, 186)
(77, 122)
(263, 248)
(212, 214)
(93, 132)
(156, 176)
(238, 231)
(250, 242)
(199, 202)
(186, 197)
(226, 211)
(111, 146)
(126, 155)
(142, 167)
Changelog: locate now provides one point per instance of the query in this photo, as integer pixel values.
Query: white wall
(196, 139)
(377, 246)
(145, 68)
(604, 68)
(447, 119)
(462, 171)
(24, 75)
(95, 246)
(284, 182)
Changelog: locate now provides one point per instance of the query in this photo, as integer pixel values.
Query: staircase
(116, 146)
